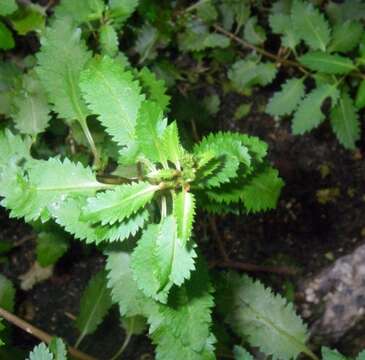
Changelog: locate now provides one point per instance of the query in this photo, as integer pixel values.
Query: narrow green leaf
(108, 40)
(285, 101)
(171, 144)
(50, 247)
(327, 63)
(345, 121)
(94, 305)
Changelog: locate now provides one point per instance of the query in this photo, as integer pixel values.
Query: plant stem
(40, 334)
(123, 347)
(91, 142)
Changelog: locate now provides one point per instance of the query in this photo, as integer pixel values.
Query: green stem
(123, 347)
(91, 142)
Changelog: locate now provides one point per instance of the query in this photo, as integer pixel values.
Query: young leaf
(40, 352)
(108, 40)
(184, 211)
(7, 294)
(120, 203)
(262, 191)
(31, 116)
(309, 114)
(171, 144)
(285, 101)
(345, 121)
(60, 74)
(327, 63)
(267, 320)
(58, 349)
(113, 95)
(241, 354)
(346, 36)
(94, 305)
(310, 25)
(6, 37)
(50, 247)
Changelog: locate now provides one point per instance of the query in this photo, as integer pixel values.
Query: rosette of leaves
(152, 204)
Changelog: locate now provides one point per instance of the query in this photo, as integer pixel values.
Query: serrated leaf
(120, 203)
(329, 354)
(267, 320)
(282, 24)
(60, 74)
(253, 32)
(6, 37)
(108, 39)
(149, 129)
(310, 25)
(262, 191)
(345, 121)
(170, 143)
(94, 304)
(40, 352)
(7, 294)
(346, 36)
(113, 95)
(286, 100)
(31, 115)
(241, 354)
(121, 10)
(184, 212)
(50, 247)
(58, 349)
(8, 7)
(327, 63)
(28, 19)
(80, 11)
(309, 114)
(156, 88)
(46, 186)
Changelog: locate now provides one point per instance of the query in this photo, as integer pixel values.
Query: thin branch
(217, 238)
(40, 334)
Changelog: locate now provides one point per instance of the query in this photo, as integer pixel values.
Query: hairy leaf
(120, 203)
(310, 25)
(285, 101)
(60, 73)
(309, 114)
(113, 95)
(327, 63)
(94, 305)
(345, 121)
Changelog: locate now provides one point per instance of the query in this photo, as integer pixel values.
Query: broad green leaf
(7, 294)
(241, 354)
(60, 74)
(254, 33)
(40, 352)
(309, 114)
(345, 121)
(282, 24)
(51, 246)
(31, 114)
(47, 185)
(58, 349)
(80, 11)
(149, 129)
(155, 88)
(28, 19)
(94, 305)
(121, 10)
(6, 37)
(329, 354)
(108, 39)
(346, 36)
(285, 101)
(262, 191)
(8, 7)
(206, 11)
(118, 204)
(113, 95)
(184, 212)
(327, 63)
(266, 320)
(310, 25)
